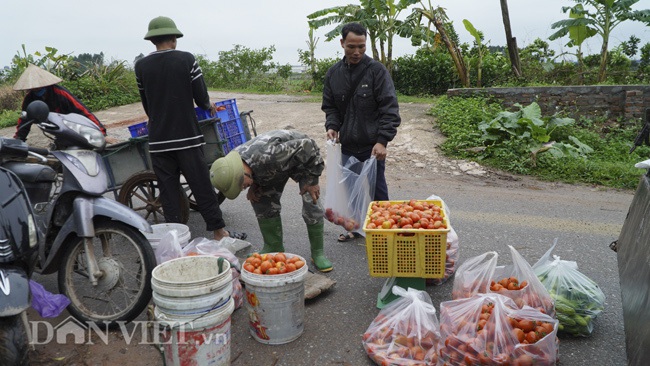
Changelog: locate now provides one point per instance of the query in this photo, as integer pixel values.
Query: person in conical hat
(42, 85)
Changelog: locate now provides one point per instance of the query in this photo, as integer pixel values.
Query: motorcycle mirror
(38, 110)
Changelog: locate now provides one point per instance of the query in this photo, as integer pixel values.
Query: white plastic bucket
(192, 304)
(191, 276)
(197, 339)
(159, 230)
(276, 305)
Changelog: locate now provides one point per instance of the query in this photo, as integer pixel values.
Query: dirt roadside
(413, 157)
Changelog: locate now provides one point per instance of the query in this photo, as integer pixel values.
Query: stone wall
(612, 101)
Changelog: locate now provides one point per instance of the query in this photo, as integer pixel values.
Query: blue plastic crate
(230, 129)
(139, 129)
(232, 133)
(227, 109)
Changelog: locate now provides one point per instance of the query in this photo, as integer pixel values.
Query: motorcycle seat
(32, 173)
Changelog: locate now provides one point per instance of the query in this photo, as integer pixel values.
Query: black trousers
(168, 166)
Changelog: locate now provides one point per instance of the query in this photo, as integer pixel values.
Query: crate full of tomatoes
(406, 238)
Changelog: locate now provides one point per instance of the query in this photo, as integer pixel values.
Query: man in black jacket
(360, 106)
(170, 82)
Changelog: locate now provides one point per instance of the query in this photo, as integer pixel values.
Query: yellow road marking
(538, 222)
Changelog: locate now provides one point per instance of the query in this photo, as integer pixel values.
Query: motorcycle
(95, 244)
(18, 241)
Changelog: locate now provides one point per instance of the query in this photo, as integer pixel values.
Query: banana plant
(478, 38)
(600, 18)
(438, 18)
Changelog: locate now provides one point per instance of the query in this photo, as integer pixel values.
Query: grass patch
(608, 165)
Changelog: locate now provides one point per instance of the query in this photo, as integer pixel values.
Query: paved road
(488, 214)
(486, 218)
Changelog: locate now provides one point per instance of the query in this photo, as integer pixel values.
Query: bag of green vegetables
(578, 299)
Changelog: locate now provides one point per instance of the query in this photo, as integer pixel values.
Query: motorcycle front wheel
(125, 260)
(13, 341)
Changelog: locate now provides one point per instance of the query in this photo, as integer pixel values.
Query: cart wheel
(140, 192)
(192, 201)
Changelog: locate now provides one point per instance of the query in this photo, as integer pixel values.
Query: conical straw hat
(34, 77)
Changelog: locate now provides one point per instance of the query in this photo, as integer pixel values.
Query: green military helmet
(227, 175)
(162, 26)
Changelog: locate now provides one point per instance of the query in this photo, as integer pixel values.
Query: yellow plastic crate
(407, 252)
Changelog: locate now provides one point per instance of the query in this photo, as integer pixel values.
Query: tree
(631, 46)
(480, 48)
(511, 41)
(600, 17)
(379, 17)
(308, 57)
(438, 18)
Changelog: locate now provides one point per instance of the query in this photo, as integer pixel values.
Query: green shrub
(610, 164)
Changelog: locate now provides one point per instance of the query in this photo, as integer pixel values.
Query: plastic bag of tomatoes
(451, 253)
(474, 275)
(517, 281)
(405, 332)
(350, 188)
(489, 329)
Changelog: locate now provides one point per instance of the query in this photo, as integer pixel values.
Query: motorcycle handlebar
(39, 151)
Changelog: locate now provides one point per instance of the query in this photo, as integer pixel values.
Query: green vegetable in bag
(578, 299)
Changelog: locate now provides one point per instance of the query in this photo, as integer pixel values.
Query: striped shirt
(170, 82)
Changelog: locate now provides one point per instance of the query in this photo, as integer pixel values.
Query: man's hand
(379, 151)
(254, 193)
(213, 110)
(333, 135)
(314, 192)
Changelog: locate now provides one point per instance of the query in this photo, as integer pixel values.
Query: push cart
(130, 173)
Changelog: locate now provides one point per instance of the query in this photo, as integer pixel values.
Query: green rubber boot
(272, 234)
(315, 233)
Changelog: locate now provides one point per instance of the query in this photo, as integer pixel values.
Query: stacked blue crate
(230, 128)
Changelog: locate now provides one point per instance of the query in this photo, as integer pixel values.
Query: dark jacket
(372, 114)
(170, 82)
(59, 100)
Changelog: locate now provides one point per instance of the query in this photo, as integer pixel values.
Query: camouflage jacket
(277, 155)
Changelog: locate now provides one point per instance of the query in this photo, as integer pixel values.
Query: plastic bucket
(197, 339)
(192, 304)
(275, 305)
(191, 276)
(159, 230)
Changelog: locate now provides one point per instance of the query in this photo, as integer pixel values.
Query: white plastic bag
(451, 253)
(169, 247)
(350, 188)
(405, 332)
(578, 299)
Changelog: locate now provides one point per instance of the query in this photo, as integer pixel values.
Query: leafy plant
(608, 164)
(529, 127)
(599, 18)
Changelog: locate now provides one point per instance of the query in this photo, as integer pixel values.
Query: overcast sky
(117, 27)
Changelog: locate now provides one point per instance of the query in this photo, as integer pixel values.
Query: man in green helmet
(264, 165)
(170, 82)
